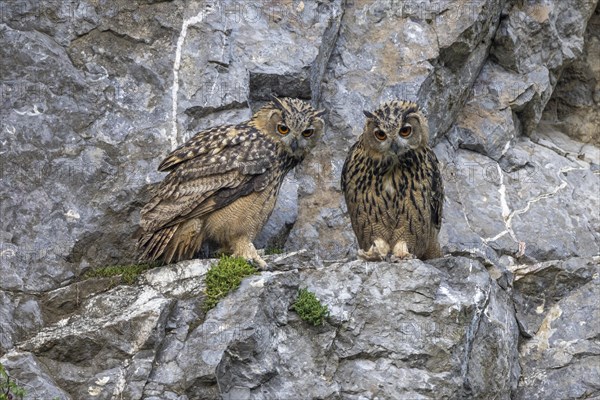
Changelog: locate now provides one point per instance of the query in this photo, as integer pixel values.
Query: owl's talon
(245, 249)
(378, 251)
(370, 255)
(401, 253)
(397, 259)
(260, 264)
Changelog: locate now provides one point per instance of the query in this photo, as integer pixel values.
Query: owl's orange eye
(379, 134)
(283, 129)
(405, 131)
(308, 132)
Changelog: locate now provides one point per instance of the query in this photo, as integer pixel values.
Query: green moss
(225, 277)
(309, 308)
(273, 251)
(8, 387)
(128, 273)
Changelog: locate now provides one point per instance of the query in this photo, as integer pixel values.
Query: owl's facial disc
(402, 141)
(395, 128)
(297, 134)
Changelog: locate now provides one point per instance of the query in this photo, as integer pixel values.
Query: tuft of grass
(9, 389)
(273, 251)
(225, 277)
(128, 273)
(309, 308)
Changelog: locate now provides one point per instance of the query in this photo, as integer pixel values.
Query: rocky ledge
(444, 329)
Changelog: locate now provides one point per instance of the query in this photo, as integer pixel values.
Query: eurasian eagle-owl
(223, 183)
(393, 186)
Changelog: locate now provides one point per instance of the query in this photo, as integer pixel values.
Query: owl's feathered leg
(378, 251)
(242, 247)
(401, 252)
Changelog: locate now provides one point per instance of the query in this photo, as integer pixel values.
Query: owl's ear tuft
(320, 113)
(277, 102)
(368, 114)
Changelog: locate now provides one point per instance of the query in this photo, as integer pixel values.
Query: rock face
(561, 357)
(95, 94)
(574, 107)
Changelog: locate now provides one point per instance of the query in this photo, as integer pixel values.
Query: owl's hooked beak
(397, 148)
(294, 145)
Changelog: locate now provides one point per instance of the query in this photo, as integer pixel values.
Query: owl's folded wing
(201, 181)
(219, 149)
(437, 191)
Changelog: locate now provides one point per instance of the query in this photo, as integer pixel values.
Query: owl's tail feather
(152, 245)
(174, 243)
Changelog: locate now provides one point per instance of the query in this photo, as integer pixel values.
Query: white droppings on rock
(72, 215)
(257, 283)
(196, 19)
(94, 391)
(102, 381)
(453, 299)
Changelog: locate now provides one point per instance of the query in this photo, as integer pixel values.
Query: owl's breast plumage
(389, 197)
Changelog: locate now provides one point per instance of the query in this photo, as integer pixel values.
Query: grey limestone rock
(560, 309)
(444, 321)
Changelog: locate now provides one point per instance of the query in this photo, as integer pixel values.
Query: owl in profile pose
(393, 187)
(223, 183)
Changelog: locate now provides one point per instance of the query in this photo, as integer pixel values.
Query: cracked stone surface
(562, 356)
(94, 94)
(515, 207)
(445, 321)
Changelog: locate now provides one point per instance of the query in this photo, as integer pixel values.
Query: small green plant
(128, 273)
(309, 308)
(225, 277)
(9, 390)
(270, 251)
